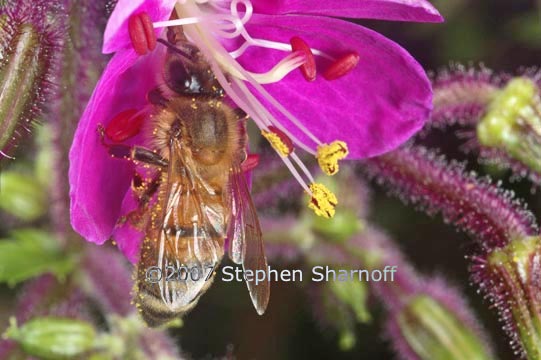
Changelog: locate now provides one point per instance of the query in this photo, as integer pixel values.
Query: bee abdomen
(155, 311)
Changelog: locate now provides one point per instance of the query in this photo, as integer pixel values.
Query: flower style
(306, 78)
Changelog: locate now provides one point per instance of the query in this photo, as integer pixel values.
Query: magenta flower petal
(401, 10)
(374, 109)
(98, 182)
(116, 35)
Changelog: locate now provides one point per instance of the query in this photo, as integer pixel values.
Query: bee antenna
(175, 49)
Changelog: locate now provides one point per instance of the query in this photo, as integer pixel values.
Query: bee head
(186, 72)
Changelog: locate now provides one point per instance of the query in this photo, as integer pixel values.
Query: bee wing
(245, 241)
(190, 232)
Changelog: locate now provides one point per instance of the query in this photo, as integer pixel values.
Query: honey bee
(199, 195)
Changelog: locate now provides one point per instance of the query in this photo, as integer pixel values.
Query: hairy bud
(511, 279)
(29, 44)
(506, 266)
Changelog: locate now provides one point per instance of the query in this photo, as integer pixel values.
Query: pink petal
(99, 183)
(116, 35)
(375, 108)
(401, 10)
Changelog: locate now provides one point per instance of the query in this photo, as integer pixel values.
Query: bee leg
(143, 190)
(133, 153)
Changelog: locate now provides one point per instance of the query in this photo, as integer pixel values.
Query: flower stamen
(308, 69)
(296, 175)
(303, 167)
(226, 26)
(284, 67)
(323, 201)
(260, 112)
(342, 66)
(328, 156)
(233, 78)
(141, 33)
(278, 140)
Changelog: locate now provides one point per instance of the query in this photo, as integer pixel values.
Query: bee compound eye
(177, 76)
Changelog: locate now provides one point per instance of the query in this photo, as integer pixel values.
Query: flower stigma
(206, 23)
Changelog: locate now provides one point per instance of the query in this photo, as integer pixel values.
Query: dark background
(505, 35)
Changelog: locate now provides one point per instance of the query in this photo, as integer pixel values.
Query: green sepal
(434, 333)
(514, 265)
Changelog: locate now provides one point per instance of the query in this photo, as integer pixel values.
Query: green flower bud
(344, 303)
(99, 356)
(513, 122)
(346, 340)
(345, 222)
(22, 196)
(341, 227)
(355, 295)
(435, 333)
(53, 338)
(512, 280)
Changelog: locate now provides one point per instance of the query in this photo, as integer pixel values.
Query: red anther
(250, 163)
(308, 69)
(342, 66)
(142, 35)
(124, 125)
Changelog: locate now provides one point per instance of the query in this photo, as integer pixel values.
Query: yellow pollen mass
(323, 201)
(277, 143)
(328, 156)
